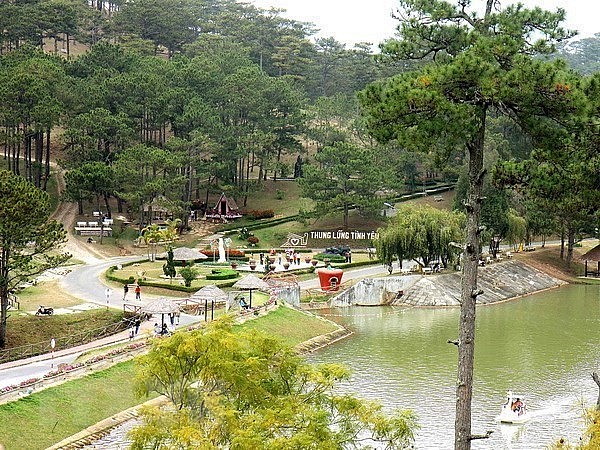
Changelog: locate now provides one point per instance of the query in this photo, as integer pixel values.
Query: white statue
(221, 251)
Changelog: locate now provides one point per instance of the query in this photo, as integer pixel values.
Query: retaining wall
(499, 281)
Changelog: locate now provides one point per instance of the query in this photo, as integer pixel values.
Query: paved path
(84, 283)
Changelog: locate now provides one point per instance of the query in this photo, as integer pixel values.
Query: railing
(61, 343)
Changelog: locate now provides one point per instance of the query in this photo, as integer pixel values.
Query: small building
(224, 209)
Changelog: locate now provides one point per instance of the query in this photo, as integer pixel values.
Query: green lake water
(543, 346)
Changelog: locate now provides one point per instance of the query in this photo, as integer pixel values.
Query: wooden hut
(225, 209)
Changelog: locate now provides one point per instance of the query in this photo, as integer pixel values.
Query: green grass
(27, 329)
(47, 293)
(47, 417)
(291, 326)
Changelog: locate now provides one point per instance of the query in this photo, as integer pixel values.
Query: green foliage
(346, 177)
(247, 390)
(169, 265)
(189, 274)
(421, 233)
(517, 228)
(279, 194)
(27, 238)
(222, 274)
(331, 257)
(256, 214)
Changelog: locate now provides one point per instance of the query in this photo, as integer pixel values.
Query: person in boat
(517, 406)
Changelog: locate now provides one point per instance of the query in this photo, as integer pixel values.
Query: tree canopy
(243, 389)
(28, 241)
(421, 233)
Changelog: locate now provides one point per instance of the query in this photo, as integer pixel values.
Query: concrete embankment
(499, 282)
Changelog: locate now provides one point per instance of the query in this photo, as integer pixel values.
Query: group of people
(135, 328)
(164, 329)
(138, 291)
(517, 406)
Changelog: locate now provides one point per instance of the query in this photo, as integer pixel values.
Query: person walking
(125, 290)
(137, 324)
(138, 293)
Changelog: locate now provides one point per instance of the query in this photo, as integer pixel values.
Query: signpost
(52, 345)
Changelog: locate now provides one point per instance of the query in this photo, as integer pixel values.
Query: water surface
(544, 346)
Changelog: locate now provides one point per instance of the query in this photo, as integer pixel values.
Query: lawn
(47, 417)
(47, 293)
(291, 326)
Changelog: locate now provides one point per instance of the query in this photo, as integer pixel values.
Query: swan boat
(514, 410)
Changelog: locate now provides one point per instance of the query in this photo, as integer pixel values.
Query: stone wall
(499, 281)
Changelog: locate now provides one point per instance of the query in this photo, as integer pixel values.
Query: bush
(188, 274)
(233, 253)
(222, 274)
(257, 214)
(253, 240)
(332, 257)
(279, 194)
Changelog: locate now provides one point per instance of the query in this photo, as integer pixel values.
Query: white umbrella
(161, 306)
(210, 292)
(251, 282)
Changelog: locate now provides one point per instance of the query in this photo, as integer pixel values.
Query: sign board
(296, 240)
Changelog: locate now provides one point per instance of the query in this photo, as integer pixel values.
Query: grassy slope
(47, 417)
(28, 329)
(42, 419)
(291, 326)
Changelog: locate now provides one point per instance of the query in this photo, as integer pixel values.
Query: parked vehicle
(42, 310)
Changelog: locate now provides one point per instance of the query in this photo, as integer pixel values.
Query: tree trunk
(107, 205)
(466, 341)
(570, 245)
(47, 161)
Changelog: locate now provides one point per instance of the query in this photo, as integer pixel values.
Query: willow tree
(420, 233)
(478, 63)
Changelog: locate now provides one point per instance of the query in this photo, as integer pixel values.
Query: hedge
(173, 287)
(222, 274)
(332, 257)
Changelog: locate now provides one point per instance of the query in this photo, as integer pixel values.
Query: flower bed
(66, 368)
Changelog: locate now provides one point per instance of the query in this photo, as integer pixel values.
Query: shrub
(131, 279)
(233, 253)
(332, 257)
(188, 274)
(222, 274)
(279, 194)
(257, 214)
(253, 240)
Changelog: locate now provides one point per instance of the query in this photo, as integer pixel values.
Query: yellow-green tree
(246, 390)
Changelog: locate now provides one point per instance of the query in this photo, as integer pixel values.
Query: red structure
(330, 279)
